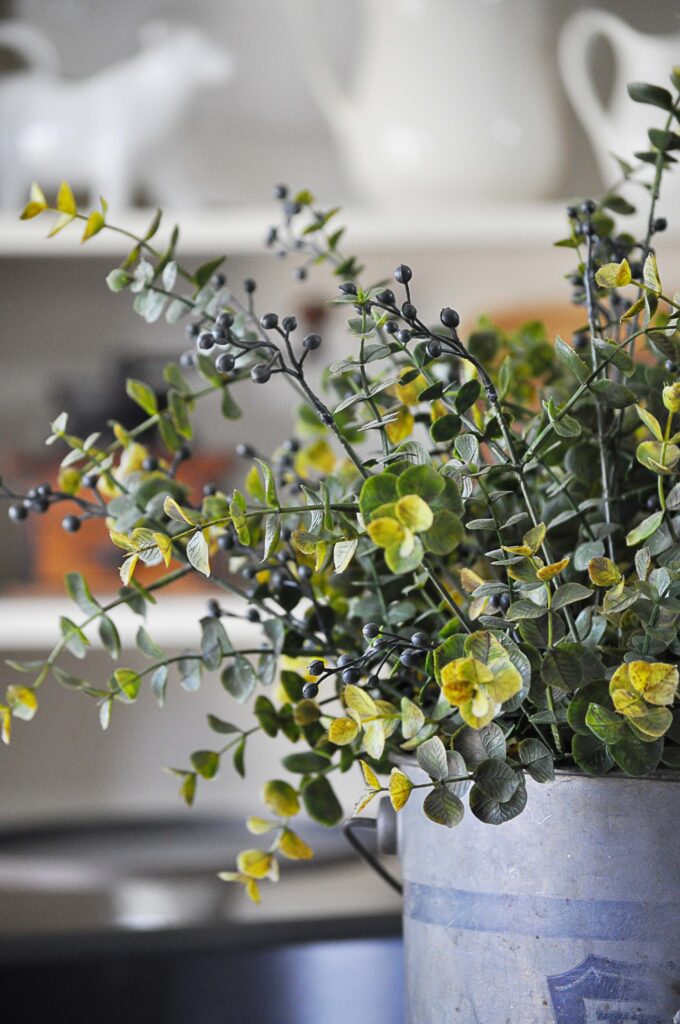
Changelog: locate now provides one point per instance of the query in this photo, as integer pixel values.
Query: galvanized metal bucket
(568, 914)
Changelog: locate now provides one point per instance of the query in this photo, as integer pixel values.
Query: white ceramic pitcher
(451, 99)
(621, 126)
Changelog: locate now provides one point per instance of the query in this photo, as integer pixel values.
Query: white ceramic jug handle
(575, 42)
(316, 63)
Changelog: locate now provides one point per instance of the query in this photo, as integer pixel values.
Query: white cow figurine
(97, 132)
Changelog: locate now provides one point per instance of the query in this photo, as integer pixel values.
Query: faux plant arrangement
(466, 552)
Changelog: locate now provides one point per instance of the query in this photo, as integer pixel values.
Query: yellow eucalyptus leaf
(474, 720)
(259, 826)
(603, 572)
(60, 223)
(370, 778)
(614, 275)
(548, 572)
(95, 222)
(620, 680)
(364, 801)
(359, 701)
(650, 422)
(281, 798)
(66, 202)
(388, 714)
(22, 701)
(321, 553)
(253, 484)
(293, 847)
(518, 549)
(401, 428)
(342, 731)
(414, 513)
(505, 683)
(400, 789)
(657, 682)
(407, 394)
(534, 537)
(255, 863)
(470, 580)
(68, 480)
(127, 569)
(164, 546)
(461, 677)
(231, 876)
(6, 722)
(374, 739)
(37, 195)
(32, 210)
(318, 457)
(629, 703)
(252, 890)
(653, 724)
(671, 397)
(385, 532)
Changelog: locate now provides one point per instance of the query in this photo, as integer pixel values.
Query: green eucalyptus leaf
(239, 678)
(443, 806)
(537, 760)
(570, 593)
(496, 812)
(635, 756)
(320, 801)
(591, 754)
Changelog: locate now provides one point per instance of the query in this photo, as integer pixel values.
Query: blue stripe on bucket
(544, 916)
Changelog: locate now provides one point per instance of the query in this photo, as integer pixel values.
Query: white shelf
(32, 623)
(241, 230)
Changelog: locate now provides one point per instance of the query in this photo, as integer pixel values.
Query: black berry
(449, 317)
(225, 362)
(260, 373)
(310, 691)
(71, 523)
(269, 321)
(403, 274)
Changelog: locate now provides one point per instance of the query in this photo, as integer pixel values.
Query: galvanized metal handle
(385, 827)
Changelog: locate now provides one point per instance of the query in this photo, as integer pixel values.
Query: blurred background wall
(66, 341)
